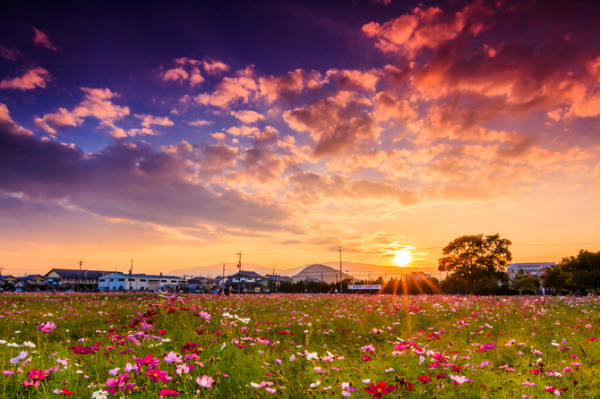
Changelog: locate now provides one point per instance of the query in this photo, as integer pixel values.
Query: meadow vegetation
(298, 346)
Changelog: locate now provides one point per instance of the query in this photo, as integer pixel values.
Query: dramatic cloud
(213, 67)
(126, 181)
(36, 77)
(337, 123)
(187, 71)
(96, 104)
(42, 40)
(286, 88)
(237, 90)
(353, 79)
(426, 28)
(8, 125)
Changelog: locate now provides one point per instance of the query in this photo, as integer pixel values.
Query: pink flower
(47, 327)
(205, 381)
(459, 379)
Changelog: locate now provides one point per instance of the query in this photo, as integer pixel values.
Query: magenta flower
(157, 375)
(148, 360)
(168, 392)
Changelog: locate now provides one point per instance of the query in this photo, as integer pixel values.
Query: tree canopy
(575, 272)
(476, 258)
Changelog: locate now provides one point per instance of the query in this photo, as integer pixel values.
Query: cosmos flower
(148, 360)
(380, 389)
(205, 381)
(47, 327)
(459, 379)
(168, 392)
(157, 375)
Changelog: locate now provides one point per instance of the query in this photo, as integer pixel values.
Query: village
(83, 280)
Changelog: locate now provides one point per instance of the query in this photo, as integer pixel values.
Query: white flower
(100, 394)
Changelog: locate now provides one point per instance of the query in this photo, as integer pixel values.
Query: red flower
(366, 358)
(424, 379)
(162, 332)
(379, 390)
(67, 392)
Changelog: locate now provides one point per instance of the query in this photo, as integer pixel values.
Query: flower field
(298, 346)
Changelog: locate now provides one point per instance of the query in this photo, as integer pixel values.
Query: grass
(299, 346)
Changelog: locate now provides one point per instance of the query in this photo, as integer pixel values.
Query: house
(33, 282)
(531, 269)
(271, 282)
(138, 282)
(76, 279)
(8, 282)
(243, 281)
(201, 283)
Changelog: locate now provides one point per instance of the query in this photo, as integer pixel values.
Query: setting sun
(402, 257)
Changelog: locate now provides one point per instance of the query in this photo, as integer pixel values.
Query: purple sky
(184, 133)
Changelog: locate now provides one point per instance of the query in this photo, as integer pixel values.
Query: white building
(137, 282)
(530, 269)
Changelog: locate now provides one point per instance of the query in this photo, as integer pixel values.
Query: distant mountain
(361, 271)
(320, 272)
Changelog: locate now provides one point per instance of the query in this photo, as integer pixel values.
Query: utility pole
(131, 270)
(340, 250)
(239, 261)
(79, 275)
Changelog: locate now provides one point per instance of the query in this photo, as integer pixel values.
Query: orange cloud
(285, 88)
(7, 124)
(36, 77)
(337, 123)
(41, 39)
(231, 91)
(96, 104)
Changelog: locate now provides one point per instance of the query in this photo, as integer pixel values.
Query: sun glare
(402, 257)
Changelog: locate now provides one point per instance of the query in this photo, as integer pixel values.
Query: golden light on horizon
(402, 258)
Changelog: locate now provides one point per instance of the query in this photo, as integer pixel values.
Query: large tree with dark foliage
(575, 272)
(476, 258)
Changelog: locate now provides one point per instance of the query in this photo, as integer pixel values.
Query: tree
(555, 279)
(476, 258)
(525, 283)
(575, 272)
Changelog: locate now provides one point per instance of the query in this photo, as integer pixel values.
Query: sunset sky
(180, 133)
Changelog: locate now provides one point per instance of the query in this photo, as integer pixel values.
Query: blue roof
(141, 275)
